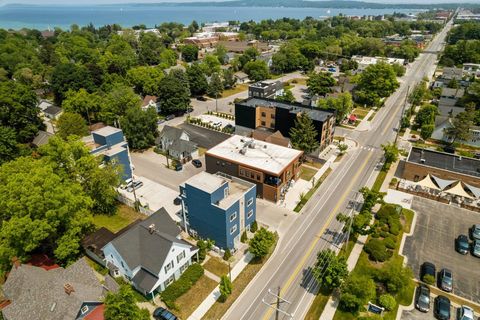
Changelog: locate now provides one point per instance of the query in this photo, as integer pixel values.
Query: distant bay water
(44, 17)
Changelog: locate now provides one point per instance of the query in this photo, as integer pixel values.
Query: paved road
(289, 266)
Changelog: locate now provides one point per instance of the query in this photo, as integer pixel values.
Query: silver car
(446, 280)
(475, 232)
(476, 248)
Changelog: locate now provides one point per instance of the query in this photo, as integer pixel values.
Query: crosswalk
(368, 148)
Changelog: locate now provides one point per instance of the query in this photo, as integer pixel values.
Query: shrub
(390, 242)
(254, 226)
(386, 211)
(356, 292)
(393, 182)
(394, 225)
(244, 237)
(182, 285)
(387, 301)
(429, 279)
(377, 251)
(225, 288)
(384, 234)
(394, 276)
(227, 255)
(261, 243)
(203, 247)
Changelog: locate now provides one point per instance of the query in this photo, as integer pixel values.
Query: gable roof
(147, 99)
(36, 292)
(140, 247)
(170, 133)
(52, 110)
(182, 146)
(41, 138)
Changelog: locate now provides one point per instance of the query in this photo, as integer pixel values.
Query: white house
(151, 254)
(177, 143)
(439, 133)
(150, 102)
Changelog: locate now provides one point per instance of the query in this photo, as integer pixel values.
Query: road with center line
(288, 270)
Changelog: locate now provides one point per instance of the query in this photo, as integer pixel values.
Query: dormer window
(84, 309)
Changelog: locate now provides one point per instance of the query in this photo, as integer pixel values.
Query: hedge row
(182, 285)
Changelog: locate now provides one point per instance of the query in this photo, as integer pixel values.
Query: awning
(443, 183)
(428, 183)
(474, 190)
(458, 191)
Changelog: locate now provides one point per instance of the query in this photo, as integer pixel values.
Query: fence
(143, 208)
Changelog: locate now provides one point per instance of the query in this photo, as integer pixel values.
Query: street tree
(140, 127)
(342, 104)
(390, 153)
(173, 95)
(261, 243)
(377, 81)
(320, 83)
(215, 87)
(197, 79)
(225, 288)
(304, 135)
(257, 70)
(330, 270)
(426, 115)
(356, 292)
(70, 123)
(123, 305)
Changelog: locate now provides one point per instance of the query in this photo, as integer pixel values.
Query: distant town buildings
(218, 207)
(467, 15)
(364, 62)
(210, 39)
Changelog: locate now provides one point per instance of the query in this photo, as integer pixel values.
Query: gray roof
(240, 75)
(314, 113)
(52, 110)
(170, 133)
(446, 102)
(182, 146)
(445, 161)
(145, 280)
(37, 293)
(454, 93)
(41, 138)
(452, 73)
(139, 247)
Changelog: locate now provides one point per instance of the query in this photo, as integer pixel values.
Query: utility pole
(276, 304)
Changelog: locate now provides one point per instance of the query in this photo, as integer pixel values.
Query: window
(233, 229)
(233, 216)
(258, 177)
(184, 267)
(169, 280)
(225, 192)
(272, 125)
(242, 172)
(121, 262)
(84, 309)
(169, 266)
(263, 114)
(249, 214)
(263, 123)
(180, 256)
(249, 202)
(272, 116)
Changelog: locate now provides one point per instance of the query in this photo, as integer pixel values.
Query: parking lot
(433, 240)
(204, 137)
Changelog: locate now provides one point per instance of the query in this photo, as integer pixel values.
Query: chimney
(68, 288)
(16, 262)
(151, 228)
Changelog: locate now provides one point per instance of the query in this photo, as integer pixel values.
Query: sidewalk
(215, 294)
(365, 125)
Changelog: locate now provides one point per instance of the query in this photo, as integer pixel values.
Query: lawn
(302, 81)
(317, 165)
(318, 304)
(219, 308)
(307, 173)
(360, 112)
(238, 88)
(380, 178)
(216, 266)
(124, 216)
(190, 301)
(312, 191)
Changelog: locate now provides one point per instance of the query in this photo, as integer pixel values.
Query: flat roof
(313, 113)
(256, 154)
(206, 181)
(106, 131)
(445, 161)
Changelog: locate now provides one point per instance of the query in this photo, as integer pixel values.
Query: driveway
(275, 217)
(437, 226)
(204, 137)
(153, 166)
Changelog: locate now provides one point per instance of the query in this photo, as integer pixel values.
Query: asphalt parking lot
(433, 240)
(204, 137)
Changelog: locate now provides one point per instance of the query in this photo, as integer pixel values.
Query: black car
(177, 201)
(441, 308)
(178, 166)
(423, 298)
(461, 244)
(197, 163)
(427, 269)
(163, 314)
(446, 280)
(201, 98)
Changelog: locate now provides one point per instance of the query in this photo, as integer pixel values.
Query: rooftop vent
(422, 160)
(151, 228)
(68, 288)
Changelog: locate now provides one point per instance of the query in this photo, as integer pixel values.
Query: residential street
(316, 226)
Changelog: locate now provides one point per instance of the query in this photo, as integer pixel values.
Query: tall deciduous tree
(320, 83)
(462, 124)
(257, 70)
(261, 243)
(376, 81)
(228, 79)
(189, 52)
(116, 102)
(173, 95)
(286, 96)
(330, 270)
(8, 144)
(390, 153)
(69, 76)
(140, 127)
(197, 80)
(84, 103)
(70, 123)
(215, 87)
(123, 305)
(343, 104)
(145, 79)
(225, 287)
(304, 135)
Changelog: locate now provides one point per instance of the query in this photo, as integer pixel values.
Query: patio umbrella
(443, 183)
(427, 182)
(474, 190)
(458, 191)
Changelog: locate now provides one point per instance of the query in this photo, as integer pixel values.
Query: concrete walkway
(215, 294)
(365, 124)
(212, 276)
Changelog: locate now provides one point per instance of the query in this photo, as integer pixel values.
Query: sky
(83, 2)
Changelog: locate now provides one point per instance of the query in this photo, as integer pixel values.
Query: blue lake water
(43, 17)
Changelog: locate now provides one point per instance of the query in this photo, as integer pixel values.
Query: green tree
(426, 115)
(390, 153)
(150, 48)
(203, 247)
(69, 124)
(215, 87)
(304, 135)
(116, 102)
(426, 131)
(123, 305)
(250, 54)
(8, 144)
(342, 104)
(461, 125)
(257, 70)
(173, 95)
(330, 270)
(225, 288)
(289, 58)
(69, 76)
(261, 243)
(197, 79)
(387, 301)
(286, 96)
(399, 69)
(189, 52)
(221, 54)
(210, 64)
(356, 292)
(140, 127)
(418, 94)
(376, 81)
(145, 80)
(320, 83)
(227, 255)
(84, 103)
(229, 80)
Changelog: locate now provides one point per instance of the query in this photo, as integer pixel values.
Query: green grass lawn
(216, 266)
(238, 88)
(318, 304)
(379, 181)
(312, 191)
(307, 173)
(124, 216)
(190, 301)
(360, 112)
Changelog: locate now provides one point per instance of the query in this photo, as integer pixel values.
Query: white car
(465, 313)
(126, 184)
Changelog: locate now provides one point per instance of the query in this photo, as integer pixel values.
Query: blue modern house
(218, 207)
(110, 143)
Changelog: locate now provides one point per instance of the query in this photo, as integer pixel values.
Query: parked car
(476, 248)
(178, 166)
(461, 244)
(201, 98)
(163, 314)
(475, 232)
(177, 201)
(126, 184)
(427, 269)
(465, 313)
(446, 280)
(169, 117)
(423, 298)
(197, 163)
(136, 185)
(441, 308)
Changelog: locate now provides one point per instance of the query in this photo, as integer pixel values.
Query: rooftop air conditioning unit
(422, 160)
